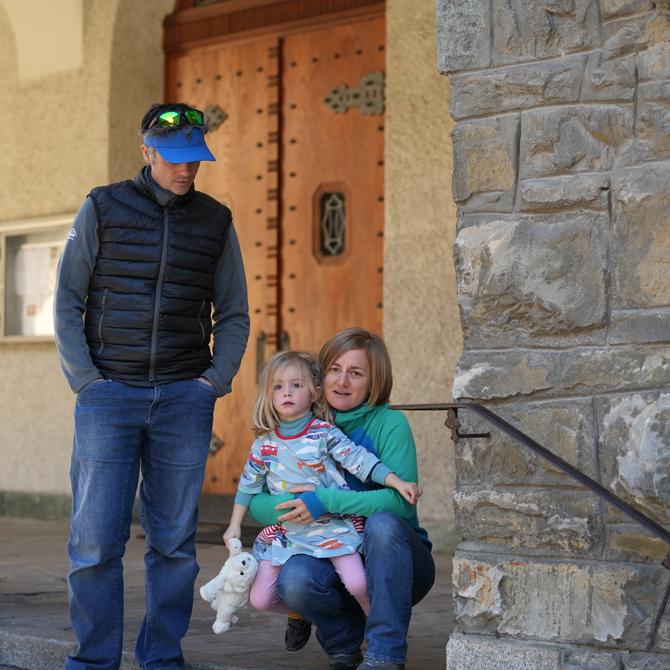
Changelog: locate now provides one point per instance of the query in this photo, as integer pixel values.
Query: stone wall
(561, 171)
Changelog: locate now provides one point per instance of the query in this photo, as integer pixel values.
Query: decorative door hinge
(214, 116)
(215, 445)
(368, 96)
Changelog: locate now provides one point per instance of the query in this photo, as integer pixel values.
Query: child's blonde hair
(265, 417)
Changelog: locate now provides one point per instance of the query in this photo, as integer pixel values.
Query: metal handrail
(453, 424)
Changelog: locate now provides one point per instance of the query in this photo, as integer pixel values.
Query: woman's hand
(297, 511)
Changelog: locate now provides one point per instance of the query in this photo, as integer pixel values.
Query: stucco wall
(70, 130)
(421, 323)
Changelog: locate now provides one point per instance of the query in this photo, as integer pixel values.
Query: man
(144, 263)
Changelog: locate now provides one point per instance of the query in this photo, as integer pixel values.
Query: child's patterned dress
(310, 457)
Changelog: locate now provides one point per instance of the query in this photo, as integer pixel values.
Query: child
(297, 445)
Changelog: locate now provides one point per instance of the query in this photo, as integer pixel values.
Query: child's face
(291, 398)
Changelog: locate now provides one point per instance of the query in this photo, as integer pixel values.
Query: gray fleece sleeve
(74, 272)
(231, 316)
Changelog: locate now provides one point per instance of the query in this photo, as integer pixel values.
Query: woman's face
(347, 380)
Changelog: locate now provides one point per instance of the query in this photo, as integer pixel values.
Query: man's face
(175, 177)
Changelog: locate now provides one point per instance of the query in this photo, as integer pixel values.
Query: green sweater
(384, 432)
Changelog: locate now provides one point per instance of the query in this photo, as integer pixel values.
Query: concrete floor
(35, 633)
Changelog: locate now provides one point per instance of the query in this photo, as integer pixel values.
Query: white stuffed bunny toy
(229, 590)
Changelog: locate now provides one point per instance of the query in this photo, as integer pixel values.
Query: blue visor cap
(186, 145)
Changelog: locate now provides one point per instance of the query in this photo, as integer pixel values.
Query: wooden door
(332, 168)
(282, 152)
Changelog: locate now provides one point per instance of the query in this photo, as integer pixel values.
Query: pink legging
(263, 595)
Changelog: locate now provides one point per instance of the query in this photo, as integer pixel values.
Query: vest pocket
(102, 316)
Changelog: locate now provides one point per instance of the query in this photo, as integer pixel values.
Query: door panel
(325, 151)
(242, 80)
(290, 151)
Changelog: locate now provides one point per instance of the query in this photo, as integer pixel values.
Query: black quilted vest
(149, 299)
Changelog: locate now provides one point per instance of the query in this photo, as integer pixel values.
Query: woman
(398, 563)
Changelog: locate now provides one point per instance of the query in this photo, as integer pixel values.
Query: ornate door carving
(305, 184)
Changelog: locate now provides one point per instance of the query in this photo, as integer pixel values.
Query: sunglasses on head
(173, 119)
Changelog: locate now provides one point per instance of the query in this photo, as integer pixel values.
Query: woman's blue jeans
(164, 431)
(400, 572)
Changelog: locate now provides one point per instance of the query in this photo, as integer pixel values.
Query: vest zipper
(202, 327)
(102, 316)
(157, 302)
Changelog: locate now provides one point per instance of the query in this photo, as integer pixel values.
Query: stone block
(652, 130)
(527, 31)
(615, 8)
(646, 662)
(604, 369)
(485, 375)
(602, 604)
(535, 277)
(641, 236)
(662, 642)
(609, 80)
(639, 326)
(565, 428)
(628, 541)
(635, 450)
(570, 140)
(587, 659)
(517, 87)
(477, 652)
(485, 163)
(654, 63)
(634, 33)
(463, 35)
(573, 191)
(547, 521)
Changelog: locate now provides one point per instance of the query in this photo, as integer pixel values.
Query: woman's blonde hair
(265, 417)
(381, 374)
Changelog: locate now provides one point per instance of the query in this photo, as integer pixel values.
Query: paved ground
(35, 632)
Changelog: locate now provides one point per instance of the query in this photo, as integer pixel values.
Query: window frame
(57, 225)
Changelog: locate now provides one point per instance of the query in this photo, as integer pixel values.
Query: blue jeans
(400, 572)
(119, 429)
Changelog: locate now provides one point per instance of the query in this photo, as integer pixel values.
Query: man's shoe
(345, 661)
(374, 664)
(297, 633)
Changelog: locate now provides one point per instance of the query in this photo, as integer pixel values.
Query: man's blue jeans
(400, 572)
(119, 429)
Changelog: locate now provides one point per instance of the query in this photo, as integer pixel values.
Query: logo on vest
(72, 234)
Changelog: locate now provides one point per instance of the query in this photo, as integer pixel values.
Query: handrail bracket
(454, 425)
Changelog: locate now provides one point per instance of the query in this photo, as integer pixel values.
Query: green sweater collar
(353, 417)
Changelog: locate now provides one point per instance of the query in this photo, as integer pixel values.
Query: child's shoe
(297, 634)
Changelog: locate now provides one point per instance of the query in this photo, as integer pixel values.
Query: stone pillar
(562, 180)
